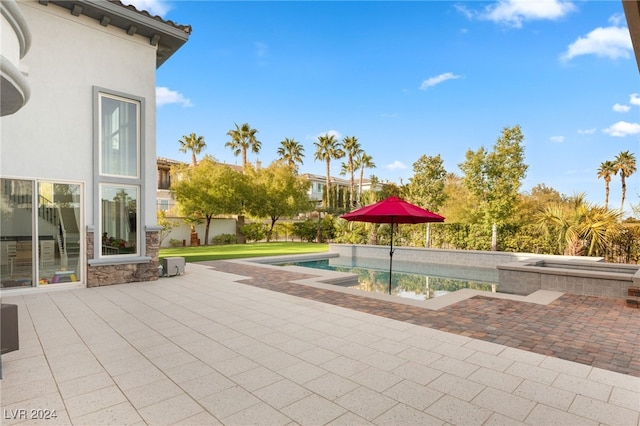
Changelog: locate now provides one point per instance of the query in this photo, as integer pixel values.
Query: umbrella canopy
(392, 210)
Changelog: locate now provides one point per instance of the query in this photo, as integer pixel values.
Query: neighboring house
(165, 201)
(78, 162)
(318, 182)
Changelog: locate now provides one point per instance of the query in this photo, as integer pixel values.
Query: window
(119, 136)
(119, 180)
(119, 225)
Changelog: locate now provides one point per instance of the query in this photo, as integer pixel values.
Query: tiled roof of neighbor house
(166, 35)
(163, 161)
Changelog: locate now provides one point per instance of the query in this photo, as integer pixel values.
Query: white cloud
(557, 139)
(515, 12)
(396, 165)
(433, 81)
(617, 19)
(586, 131)
(165, 96)
(335, 133)
(622, 129)
(634, 99)
(262, 49)
(609, 42)
(621, 108)
(154, 7)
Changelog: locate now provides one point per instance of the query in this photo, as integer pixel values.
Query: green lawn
(238, 251)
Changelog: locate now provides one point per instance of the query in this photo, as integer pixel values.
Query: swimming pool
(410, 280)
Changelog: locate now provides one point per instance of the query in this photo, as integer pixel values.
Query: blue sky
(407, 79)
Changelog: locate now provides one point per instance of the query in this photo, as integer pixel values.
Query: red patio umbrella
(392, 210)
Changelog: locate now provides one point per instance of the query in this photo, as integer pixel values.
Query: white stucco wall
(51, 137)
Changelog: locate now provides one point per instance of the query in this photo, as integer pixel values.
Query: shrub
(175, 243)
(311, 229)
(224, 239)
(254, 231)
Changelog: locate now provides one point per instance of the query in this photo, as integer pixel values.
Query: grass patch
(239, 251)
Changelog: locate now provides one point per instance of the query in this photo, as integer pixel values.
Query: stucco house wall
(53, 137)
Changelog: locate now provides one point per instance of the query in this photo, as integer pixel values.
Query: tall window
(119, 136)
(120, 179)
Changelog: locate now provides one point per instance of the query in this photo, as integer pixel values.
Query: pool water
(431, 281)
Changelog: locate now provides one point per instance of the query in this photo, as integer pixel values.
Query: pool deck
(237, 343)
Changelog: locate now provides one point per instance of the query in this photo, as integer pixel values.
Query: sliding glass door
(16, 234)
(41, 241)
(59, 238)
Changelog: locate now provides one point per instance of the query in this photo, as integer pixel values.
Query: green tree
(361, 162)
(352, 150)
(243, 138)
(192, 143)
(208, 190)
(607, 168)
(426, 186)
(625, 163)
(165, 225)
(277, 192)
(291, 151)
(328, 148)
(495, 177)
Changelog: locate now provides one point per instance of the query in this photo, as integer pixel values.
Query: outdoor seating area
(230, 343)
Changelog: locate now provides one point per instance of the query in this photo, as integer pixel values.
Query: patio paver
(243, 345)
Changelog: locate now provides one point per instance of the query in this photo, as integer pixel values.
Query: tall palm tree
(243, 138)
(607, 168)
(291, 151)
(328, 148)
(625, 163)
(192, 143)
(363, 161)
(352, 149)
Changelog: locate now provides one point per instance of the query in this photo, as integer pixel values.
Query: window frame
(102, 95)
(100, 180)
(101, 229)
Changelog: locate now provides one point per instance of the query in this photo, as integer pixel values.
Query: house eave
(632, 14)
(165, 35)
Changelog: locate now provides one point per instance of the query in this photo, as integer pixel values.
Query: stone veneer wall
(100, 275)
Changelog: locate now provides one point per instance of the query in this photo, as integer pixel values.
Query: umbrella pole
(391, 256)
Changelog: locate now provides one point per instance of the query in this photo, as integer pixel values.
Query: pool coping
(336, 281)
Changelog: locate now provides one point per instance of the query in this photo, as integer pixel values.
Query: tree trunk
(239, 235)
(206, 231)
(624, 192)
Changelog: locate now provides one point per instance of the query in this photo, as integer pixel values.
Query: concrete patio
(208, 348)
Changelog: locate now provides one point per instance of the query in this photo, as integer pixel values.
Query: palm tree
(243, 138)
(578, 225)
(352, 149)
(291, 151)
(192, 143)
(607, 168)
(328, 148)
(625, 163)
(362, 162)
